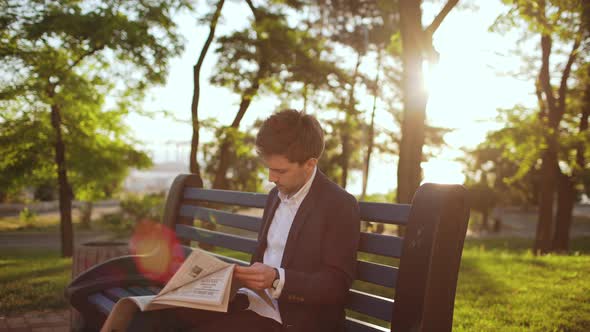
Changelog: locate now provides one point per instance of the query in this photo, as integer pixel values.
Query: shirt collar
(301, 193)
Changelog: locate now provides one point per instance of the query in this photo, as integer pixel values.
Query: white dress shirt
(276, 240)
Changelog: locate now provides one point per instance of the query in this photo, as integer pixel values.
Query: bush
(134, 208)
(27, 216)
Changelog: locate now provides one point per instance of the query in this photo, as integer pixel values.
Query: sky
(466, 89)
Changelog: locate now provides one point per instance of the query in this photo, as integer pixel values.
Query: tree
(267, 57)
(573, 179)
(193, 163)
(59, 56)
(416, 47)
(556, 23)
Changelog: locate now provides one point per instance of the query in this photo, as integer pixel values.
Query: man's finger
(249, 277)
(246, 270)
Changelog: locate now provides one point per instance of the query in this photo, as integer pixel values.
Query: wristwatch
(275, 283)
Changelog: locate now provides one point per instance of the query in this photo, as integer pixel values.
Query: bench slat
(154, 289)
(369, 304)
(141, 291)
(377, 273)
(380, 244)
(117, 293)
(230, 259)
(104, 304)
(226, 197)
(221, 217)
(397, 214)
(355, 325)
(229, 241)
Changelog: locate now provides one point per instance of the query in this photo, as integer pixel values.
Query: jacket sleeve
(340, 241)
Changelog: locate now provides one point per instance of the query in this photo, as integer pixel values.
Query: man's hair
(293, 134)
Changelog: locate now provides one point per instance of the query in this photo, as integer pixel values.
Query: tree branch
(253, 9)
(566, 74)
(440, 17)
(544, 79)
(88, 53)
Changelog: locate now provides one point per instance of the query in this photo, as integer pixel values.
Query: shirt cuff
(276, 292)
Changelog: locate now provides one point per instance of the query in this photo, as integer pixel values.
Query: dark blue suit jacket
(319, 257)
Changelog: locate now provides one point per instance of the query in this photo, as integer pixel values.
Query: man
(306, 254)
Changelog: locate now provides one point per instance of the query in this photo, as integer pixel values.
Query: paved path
(48, 240)
(36, 321)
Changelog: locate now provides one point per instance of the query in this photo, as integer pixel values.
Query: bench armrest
(116, 272)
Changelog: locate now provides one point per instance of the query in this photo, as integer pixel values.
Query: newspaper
(202, 282)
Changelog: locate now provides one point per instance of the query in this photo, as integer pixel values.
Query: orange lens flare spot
(158, 254)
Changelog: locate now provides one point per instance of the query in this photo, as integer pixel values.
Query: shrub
(134, 208)
(27, 216)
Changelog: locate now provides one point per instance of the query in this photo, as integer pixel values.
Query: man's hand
(257, 276)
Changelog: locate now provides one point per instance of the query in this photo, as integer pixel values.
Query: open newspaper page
(202, 282)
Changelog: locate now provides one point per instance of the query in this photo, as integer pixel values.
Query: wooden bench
(421, 279)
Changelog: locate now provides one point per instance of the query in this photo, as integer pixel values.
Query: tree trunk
(544, 231)
(349, 126)
(581, 149)
(193, 163)
(305, 92)
(344, 157)
(566, 188)
(371, 133)
(497, 225)
(409, 171)
(565, 209)
(485, 217)
(65, 191)
(86, 214)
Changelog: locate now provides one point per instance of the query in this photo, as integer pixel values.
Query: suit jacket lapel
(301, 217)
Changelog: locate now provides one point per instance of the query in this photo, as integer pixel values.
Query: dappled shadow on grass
(502, 290)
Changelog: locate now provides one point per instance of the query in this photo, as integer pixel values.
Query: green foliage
(134, 209)
(246, 170)
(27, 216)
(508, 161)
(273, 54)
(388, 197)
(560, 18)
(72, 56)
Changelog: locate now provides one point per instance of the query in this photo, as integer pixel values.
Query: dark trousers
(186, 319)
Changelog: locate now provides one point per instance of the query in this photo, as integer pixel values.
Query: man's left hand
(257, 276)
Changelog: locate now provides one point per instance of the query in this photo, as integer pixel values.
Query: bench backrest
(427, 257)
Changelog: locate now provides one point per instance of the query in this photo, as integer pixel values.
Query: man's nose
(272, 177)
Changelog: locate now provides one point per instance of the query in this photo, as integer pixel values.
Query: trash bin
(86, 256)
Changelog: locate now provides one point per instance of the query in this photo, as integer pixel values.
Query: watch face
(275, 283)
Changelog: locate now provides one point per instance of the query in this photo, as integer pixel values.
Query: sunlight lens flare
(158, 254)
(431, 76)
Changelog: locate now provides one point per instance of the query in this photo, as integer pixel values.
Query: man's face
(288, 176)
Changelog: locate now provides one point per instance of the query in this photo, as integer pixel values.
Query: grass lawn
(501, 286)
(32, 280)
(43, 222)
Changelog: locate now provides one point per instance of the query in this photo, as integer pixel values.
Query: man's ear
(311, 163)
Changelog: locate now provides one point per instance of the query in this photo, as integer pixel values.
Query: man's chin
(283, 190)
